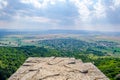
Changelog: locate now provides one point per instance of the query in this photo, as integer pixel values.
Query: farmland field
(103, 51)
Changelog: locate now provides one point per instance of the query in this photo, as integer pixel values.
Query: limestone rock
(57, 68)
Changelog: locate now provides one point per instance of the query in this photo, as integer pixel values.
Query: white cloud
(39, 19)
(3, 3)
(36, 3)
(41, 4)
(53, 2)
(88, 9)
(62, 0)
(99, 10)
(31, 19)
(26, 1)
(116, 3)
(83, 8)
(20, 17)
(20, 21)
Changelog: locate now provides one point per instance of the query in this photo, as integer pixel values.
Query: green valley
(104, 53)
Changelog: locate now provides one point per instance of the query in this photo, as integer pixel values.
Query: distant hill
(83, 32)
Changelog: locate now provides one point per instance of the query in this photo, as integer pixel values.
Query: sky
(96, 15)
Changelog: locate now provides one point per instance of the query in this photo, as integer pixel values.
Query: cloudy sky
(100, 15)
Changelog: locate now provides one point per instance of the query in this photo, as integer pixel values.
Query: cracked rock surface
(57, 68)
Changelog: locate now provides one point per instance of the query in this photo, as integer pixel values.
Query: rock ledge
(57, 68)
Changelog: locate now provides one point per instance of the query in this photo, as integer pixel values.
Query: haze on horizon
(96, 15)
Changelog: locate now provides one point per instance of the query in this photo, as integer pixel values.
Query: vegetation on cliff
(102, 54)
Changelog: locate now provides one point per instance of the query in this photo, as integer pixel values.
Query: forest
(104, 54)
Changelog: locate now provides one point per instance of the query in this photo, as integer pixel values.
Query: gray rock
(57, 68)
